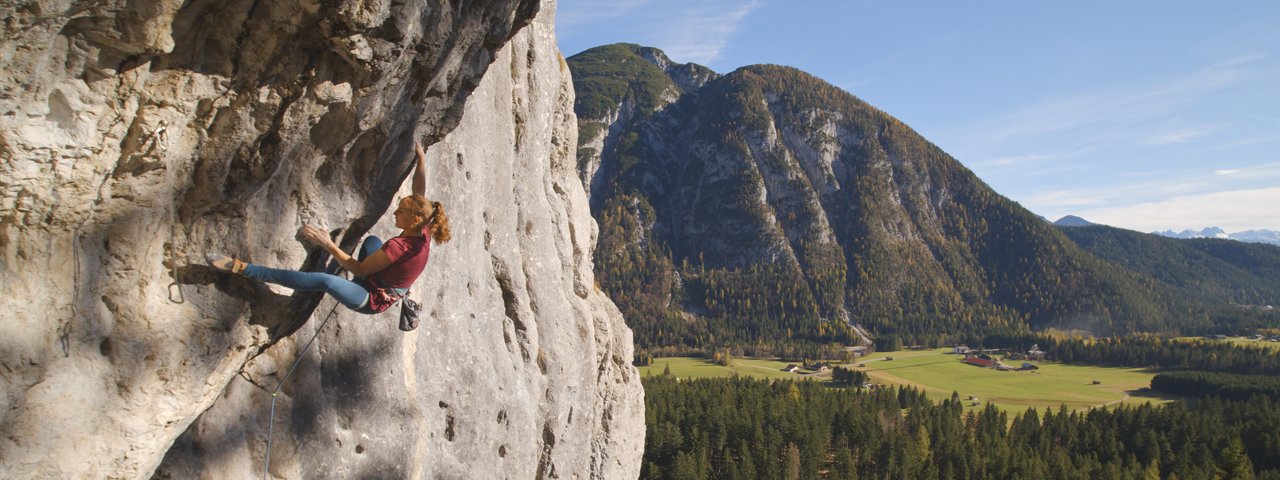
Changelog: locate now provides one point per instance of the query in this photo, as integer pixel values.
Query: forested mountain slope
(1213, 271)
(766, 207)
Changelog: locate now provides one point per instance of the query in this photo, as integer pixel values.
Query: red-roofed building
(981, 362)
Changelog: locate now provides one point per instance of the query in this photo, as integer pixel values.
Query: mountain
(1252, 236)
(1073, 221)
(765, 207)
(1211, 271)
(1257, 236)
(1211, 232)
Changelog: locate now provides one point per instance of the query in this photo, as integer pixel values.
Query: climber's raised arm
(420, 172)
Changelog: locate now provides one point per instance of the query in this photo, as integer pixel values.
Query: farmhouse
(979, 361)
(790, 368)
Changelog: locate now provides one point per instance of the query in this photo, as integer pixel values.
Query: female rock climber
(383, 271)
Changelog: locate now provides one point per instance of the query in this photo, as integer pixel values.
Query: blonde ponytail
(439, 224)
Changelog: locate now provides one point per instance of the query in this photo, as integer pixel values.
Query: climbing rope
(161, 135)
(271, 422)
(64, 333)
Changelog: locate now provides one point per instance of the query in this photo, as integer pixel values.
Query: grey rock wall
(137, 137)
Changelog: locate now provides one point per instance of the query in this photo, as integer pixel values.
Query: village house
(1036, 354)
(816, 366)
(979, 361)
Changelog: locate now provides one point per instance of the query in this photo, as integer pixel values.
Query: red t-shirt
(408, 258)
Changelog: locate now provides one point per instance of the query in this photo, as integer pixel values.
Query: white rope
(271, 422)
(161, 135)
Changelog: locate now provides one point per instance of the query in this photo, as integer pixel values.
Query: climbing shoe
(224, 263)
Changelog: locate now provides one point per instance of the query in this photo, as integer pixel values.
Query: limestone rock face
(137, 136)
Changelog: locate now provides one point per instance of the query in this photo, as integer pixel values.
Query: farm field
(939, 373)
(1054, 384)
(1237, 341)
(689, 367)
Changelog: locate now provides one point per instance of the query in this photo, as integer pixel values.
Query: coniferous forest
(751, 429)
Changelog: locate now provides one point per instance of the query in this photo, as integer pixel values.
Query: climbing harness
(271, 422)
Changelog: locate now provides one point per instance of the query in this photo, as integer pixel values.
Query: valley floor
(939, 373)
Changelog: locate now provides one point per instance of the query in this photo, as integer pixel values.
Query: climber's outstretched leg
(346, 292)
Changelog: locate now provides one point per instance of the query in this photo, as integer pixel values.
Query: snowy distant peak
(1253, 236)
(1073, 221)
(1211, 232)
(1258, 236)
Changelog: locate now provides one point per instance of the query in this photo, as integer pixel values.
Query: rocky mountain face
(766, 205)
(139, 135)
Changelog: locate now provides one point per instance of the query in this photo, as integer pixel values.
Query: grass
(687, 367)
(1238, 341)
(940, 373)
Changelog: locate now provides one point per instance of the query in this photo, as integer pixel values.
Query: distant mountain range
(1251, 236)
(766, 208)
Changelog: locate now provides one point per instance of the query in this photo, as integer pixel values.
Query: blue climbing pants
(348, 293)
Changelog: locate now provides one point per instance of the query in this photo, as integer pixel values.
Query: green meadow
(940, 373)
(687, 367)
(1237, 341)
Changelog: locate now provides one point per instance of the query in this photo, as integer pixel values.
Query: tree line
(1147, 351)
(1212, 384)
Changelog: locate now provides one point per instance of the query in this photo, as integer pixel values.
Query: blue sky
(1147, 115)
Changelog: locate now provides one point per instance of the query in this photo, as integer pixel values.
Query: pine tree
(791, 463)
(843, 466)
(1235, 463)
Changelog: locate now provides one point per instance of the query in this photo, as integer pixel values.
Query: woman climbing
(383, 271)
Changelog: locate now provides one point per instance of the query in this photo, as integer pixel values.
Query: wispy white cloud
(703, 30)
(1109, 115)
(687, 31)
(1232, 210)
(1028, 164)
(586, 12)
(1245, 142)
(1184, 135)
(1238, 198)
(1014, 160)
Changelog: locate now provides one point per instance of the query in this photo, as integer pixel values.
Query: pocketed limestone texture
(137, 136)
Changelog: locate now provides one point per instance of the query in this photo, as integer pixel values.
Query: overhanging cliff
(137, 137)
